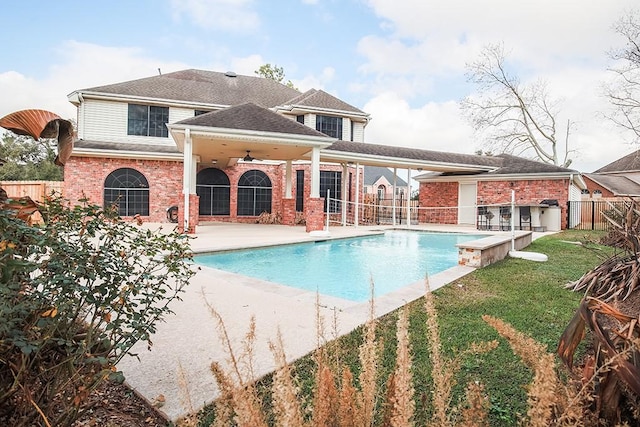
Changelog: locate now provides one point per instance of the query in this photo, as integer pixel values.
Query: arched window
(382, 192)
(254, 193)
(212, 185)
(129, 190)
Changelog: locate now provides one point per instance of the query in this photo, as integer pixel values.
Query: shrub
(75, 295)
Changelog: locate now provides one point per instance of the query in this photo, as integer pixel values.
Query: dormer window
(148, 120)
(329, 125)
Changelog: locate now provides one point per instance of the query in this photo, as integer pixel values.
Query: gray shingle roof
(618, 185)
(628, 163)
(321, 99)
(373, 173)
(118, 146)
(414, 154)
(252, 117)
(513, 165)
(206, 87)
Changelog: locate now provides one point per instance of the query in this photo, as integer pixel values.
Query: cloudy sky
(402, 61)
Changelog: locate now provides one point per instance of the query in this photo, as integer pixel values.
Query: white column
(345, 191)
(186, 175)
(288, 177)
(409, 198)
(393, 202)
(315, 173)
(357, 210)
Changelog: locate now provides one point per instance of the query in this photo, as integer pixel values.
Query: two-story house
(227, 147)
(220, 146)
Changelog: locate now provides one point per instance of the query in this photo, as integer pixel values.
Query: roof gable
(322, 100)
(204, 87)
(618, 185)
(373, 173)
(252, 117)
(628, 163)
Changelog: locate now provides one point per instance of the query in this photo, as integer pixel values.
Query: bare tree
(510, 116)
(624, 91)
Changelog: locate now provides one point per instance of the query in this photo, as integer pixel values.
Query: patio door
(467, 204)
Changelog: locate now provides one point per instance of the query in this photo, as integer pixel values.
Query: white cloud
(247, 65)
(80, 66)
(421, 54)
(226, 15)
(313, 81)
(433, 126)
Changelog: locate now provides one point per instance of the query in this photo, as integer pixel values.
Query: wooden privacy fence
(587, 214)
(380, 211)
(37, 190)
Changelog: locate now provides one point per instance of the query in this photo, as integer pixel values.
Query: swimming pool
(343, 268)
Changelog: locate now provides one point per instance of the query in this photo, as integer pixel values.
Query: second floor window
(329, 125)
(148, 120)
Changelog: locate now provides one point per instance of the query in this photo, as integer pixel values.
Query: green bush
(75, 295)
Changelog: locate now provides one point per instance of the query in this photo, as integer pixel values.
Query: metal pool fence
(589, 214)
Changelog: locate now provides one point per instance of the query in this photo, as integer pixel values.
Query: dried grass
(338, 402)
(543, 391)
(369, 356)
(475, 414)
(286, 404)
(403, 405)
(348, 407)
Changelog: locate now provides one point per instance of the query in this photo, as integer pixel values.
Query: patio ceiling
(224, 147)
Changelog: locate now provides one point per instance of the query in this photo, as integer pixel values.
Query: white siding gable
(100, 120)
(358, 132)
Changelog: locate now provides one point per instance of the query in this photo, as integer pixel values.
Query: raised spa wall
(487, 250)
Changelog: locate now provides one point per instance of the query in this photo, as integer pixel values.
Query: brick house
(227, 147)
(379, 181)
(620, 178)
(218, 145)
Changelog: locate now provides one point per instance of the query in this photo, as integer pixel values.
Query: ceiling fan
(248, 157)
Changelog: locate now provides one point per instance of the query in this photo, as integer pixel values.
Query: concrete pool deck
(178, 366)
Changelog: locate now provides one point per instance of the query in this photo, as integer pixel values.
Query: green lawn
(528, 295)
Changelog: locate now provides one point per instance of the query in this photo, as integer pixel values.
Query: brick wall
(85, 176)
(593, 186)
(275, 174)
(527, 192)
(440, 195)
(445, 194)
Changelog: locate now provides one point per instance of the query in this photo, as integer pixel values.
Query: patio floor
(187, 342)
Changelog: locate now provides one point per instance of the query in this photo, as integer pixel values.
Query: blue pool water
(344, 268)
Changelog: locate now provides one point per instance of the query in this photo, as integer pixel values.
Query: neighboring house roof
(628, 163)
(252, 117)
(374, 173)
(203, 87)
(314, 98)
(618, 185)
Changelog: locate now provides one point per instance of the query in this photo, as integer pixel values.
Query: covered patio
(248, 132)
